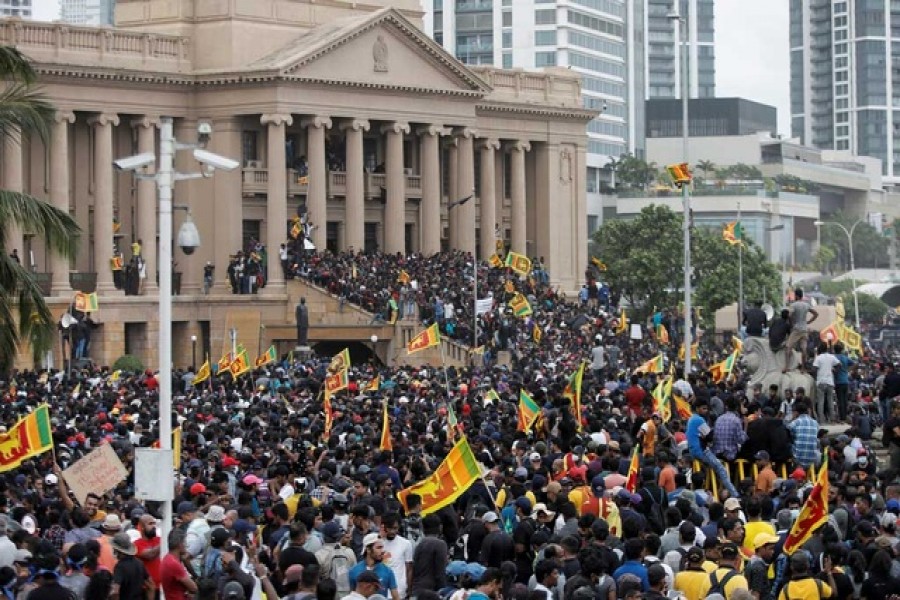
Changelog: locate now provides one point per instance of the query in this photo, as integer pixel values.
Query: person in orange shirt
(112, 525)
(666, 472)
(648, 434)
(765, 480)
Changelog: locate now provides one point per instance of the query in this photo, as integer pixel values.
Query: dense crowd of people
(269, 502)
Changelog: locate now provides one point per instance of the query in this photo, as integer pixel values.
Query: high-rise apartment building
(88, 12)
(843, 87)
(15, 8)
(663, 59)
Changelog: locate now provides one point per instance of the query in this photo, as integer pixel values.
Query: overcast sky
(751, 51)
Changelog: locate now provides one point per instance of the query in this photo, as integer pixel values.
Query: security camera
(204, 132)
(136, 162)
(188, 237)
(215, 161)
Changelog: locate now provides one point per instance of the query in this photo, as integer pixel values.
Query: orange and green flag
(495, 261)
(448, 482)
(29, 437)
(682, 407)
(733, 233)
(519, 263)
(633, 469)
(337, 382)
(86, 302)
(428, 338)
(654, 365)
(270, 355)
(240, 365)
(340, 362)
(386, 442)
(813, 514)
(661, 394)
(520, 306)
(528, 411)
(573, 393)
(722, 369)
(329, 414)
(662, 335)
(223, 363)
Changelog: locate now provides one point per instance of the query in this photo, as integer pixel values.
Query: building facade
(87, 12)
(843, 82)
(663, 58)
(16, 8)
(386, 125)
(710, 117)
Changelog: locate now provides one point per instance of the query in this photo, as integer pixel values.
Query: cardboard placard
(152, 469)
(636, 331)
(98, 472)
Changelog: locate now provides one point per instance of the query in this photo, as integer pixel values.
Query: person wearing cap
(367, 584)
(175, 581)
(111, 527)
(803, 585)
(592, 500)
(693, 576)
(765, 479)
(129, 575)
(755, 524)
(497, 545)
(757, 569)
(373, 562)
(336, 559)
(726, 577)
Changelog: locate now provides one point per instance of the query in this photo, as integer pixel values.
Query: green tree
(23, 108)
(869, 247)
(707, 166)
(871, 309)
(634, 172)
(824, 257)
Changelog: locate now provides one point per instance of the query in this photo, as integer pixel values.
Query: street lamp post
(188, 239)
(849, 233)
(193, 353)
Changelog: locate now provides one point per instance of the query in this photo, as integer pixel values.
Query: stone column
(103, 124)
(452, 193)
(466, 222)
(13, 181)
(229, 202)
(276, 201)
(147, 202)
(395, 180)
(488, 200)
(59, 194)
(430, 215)
(355, 218)
(517, 195)
(316, 196)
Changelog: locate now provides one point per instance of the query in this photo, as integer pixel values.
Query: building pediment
(379, 50)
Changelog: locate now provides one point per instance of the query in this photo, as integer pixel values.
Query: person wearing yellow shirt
(803, 585)
(726, 575)
(648, 434)
(693, 577)
(755, 525)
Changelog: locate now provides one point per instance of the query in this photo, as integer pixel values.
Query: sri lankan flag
(86, 302)
(694, 348)
(721, 370)
(813, 514)
(403, 277)
(510, 287)
(223, 363)
(528, 411)
(329, 415)
(654, 365)
(340, 362)
(633, 469)
(448, 482)
(682, 408)
(296, 229)
(661, 394)
(601, 266)
(29, 437)
(492, 395)
(495, 261)
(519, 263)
(622, 329)
(271, 355)
(428, 338)
(386, 443)
(203, 373)
(520, 306)
(240, 365)
(830, 334)
(737, 344)
(336, 382)
(680, 173)
(733, 233)
(662, 335)
(536, 333)
(573, 393)
(374, 384)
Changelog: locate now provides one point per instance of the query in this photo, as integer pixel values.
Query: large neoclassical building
(344, 110)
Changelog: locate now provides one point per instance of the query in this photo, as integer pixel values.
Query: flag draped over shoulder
(813, 514)
(203, 373)
(29, 437)
(448, 482)
(573, 393)
(633, 469)
(386, 442)
(528, 411)
(426, 339)
(519, 263)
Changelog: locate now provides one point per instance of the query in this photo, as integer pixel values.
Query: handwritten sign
(98, 472)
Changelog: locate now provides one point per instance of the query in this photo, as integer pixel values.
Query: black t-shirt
(778, 332)
(130, 575)
(755, 320)
(296, 555)
(496, 548)
(888, 434)
(51, 591)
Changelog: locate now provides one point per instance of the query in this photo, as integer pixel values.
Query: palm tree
(707, 166)
(24, 109)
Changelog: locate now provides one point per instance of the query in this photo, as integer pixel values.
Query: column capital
(438, 130)
(104, 119)
(465, 132)
(64, 115)
(317, 122)
(518, 146)
(395, 127)
(355, 125)
(488, 144)
(277, 119)
(145, 122)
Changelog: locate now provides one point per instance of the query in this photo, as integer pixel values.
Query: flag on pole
(86, 302)
(240, 365)
(491, 395)
(223, 363)
(662, 335)
(203, 373)
(403, 277)
(528, 411)
(270, 355)
(733, 233)
(386, 443)
(661, 394)
(680, 173)
(337, 382)
(601, 266)
(495, 261)
(573, 393)
(682, 408)
(341, 361)
(520, 306)
(32, 435)
(654, 365)
(452, 422)
(721, 370)
(509, 286)
(694, 348)
(633, 469)
(830, 334)
(622, 329)
(426, 339)
(519, 263)
(329, 414)
(813, 514)
(536, 333)
(374, 384)
(448, 482)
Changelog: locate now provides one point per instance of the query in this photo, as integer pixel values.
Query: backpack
(655, 515)
(718, 587)
(787, 594)
(340, 573)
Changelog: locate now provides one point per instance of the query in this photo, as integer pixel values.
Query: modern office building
(710, 117)
(663, 65)
(16, 8)
(88, 12)
(843, 79)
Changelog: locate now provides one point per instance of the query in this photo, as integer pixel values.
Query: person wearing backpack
(726, 578)
(335, 559)
(802, 585)
(654, 501)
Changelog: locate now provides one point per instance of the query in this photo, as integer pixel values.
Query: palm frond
(56, 227)
(20, 290)
(15, 66)
(25, 108)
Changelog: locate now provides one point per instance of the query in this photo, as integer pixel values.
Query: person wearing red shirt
(148, 546)
(175, 579)
(635, 396)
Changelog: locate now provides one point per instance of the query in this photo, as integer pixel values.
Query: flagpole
(444, 367)
(740, 269)
(475, 302)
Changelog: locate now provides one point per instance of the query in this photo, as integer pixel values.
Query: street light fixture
(193, 353)
(165, 178)
(849, 233)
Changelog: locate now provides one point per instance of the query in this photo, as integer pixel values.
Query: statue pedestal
(303, 352)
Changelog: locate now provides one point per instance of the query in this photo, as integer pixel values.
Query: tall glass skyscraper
(663, 64)
(15, 8)
(843, 89)
(88, 12)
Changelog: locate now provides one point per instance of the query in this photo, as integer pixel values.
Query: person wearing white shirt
(824, 366)
(546, 574)
(399, 550)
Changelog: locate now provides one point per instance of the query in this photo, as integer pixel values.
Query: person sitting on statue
(755, 320)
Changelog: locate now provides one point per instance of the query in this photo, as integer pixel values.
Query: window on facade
(545, 59)
(507, 18)
(249, 146)
(545, 17)
(545, 38)
(507, 39)
(507, 60)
